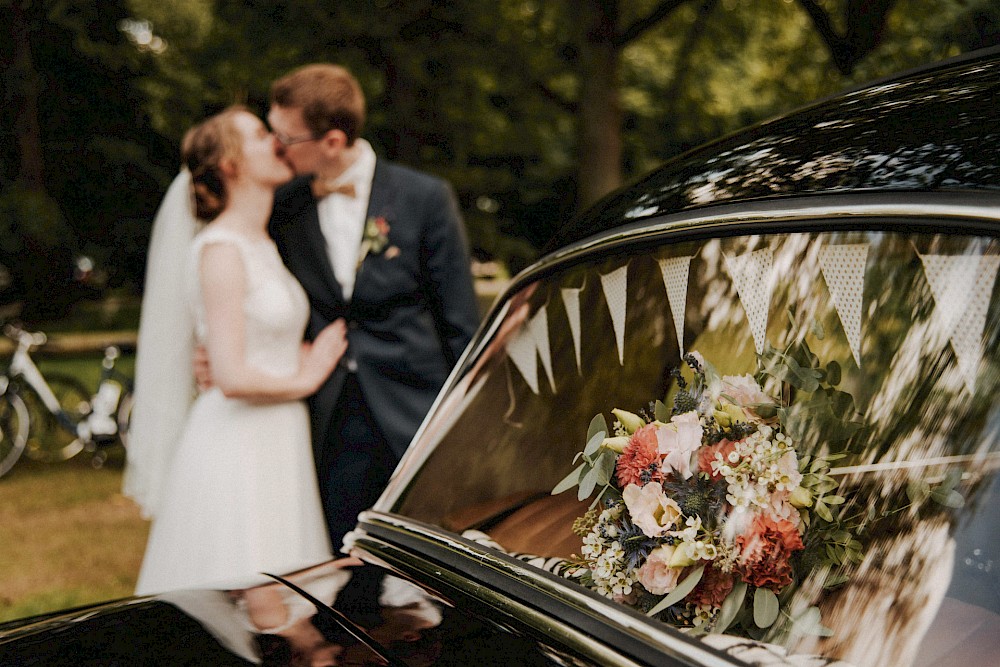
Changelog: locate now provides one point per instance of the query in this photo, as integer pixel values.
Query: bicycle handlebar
(26, 338)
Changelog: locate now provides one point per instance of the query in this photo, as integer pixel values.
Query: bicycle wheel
(13, 430)
(48, 439)
(125, 416)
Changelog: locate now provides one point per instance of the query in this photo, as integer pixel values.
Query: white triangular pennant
(539, 325)
(752, 275)
(951, 278)
(962, 286)
(523, 351)
(675, 279)
(844, 271)
(571, 299)
(616, 294)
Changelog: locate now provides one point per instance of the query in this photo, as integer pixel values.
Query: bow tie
(322, 188)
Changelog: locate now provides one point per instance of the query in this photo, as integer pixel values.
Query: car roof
(931, 130)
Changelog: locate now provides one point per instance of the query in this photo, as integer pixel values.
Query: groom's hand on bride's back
(202, 369)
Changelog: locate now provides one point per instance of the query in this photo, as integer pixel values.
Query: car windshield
(790, 439)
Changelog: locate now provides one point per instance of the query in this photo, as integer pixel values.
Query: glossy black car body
(458, 553)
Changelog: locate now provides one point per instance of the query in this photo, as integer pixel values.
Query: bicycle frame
(23, 365)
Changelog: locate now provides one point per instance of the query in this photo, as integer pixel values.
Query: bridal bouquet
(708, 516)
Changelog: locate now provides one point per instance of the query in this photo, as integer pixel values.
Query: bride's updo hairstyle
(204, 148)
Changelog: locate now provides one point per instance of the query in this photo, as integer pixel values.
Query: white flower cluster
(606, 556)
(760, 465)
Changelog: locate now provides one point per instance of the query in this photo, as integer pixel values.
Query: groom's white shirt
(342, 218)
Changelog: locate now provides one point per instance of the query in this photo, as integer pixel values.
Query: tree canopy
(531, 109)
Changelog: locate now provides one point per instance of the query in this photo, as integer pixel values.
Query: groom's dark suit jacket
(413, 309)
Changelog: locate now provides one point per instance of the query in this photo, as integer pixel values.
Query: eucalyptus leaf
(802, 377)
(833, 373)
(821, 509)
(587, 484)
(605, 467)
(765, 607)
(569, 481)
(948, 498)
(841, 403)
(731, 607)
(594, 444)
(597, 425)
(679, 593)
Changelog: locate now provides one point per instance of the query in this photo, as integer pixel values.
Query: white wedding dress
(241, 496)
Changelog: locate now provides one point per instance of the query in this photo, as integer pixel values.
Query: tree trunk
(22, 84)
(599, 125)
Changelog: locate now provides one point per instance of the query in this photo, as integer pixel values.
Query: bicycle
(63, 417)
(14, 420)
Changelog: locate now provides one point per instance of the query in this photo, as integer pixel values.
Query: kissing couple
(322, 295)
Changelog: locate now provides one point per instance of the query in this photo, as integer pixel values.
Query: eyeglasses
(286, 140)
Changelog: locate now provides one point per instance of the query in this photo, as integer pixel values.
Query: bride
(239, 495)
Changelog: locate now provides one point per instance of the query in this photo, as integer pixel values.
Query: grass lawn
(67, 535)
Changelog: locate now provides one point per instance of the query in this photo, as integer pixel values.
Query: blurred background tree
(531, 109)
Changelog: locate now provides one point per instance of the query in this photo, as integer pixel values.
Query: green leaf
(731, 607)
(833, 373)
(822, 510)
(679, 593)
(594, 444)
(765, 607)
(764, 410)
(661, 412)
(569, 481)
(605, 467)
(834, 580)
(841, 404)
(833, 500)
(948, 498)
(597, 424)
(587, 484)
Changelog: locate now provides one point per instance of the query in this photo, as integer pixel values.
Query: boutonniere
(375, 240)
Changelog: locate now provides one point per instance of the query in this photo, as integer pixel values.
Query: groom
(383, 247)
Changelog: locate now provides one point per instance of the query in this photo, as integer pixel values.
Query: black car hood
(368, 617)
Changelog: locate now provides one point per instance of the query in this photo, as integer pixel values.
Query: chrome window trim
(376, 536)
(828, 208)
(779, 215)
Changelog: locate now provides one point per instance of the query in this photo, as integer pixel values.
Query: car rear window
(788, 440)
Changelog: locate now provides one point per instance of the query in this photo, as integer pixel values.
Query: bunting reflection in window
(790, 439)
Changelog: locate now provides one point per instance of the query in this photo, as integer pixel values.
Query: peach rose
(651, 510)
(656, 575)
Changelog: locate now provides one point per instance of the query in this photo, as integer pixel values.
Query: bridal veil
(164, 380)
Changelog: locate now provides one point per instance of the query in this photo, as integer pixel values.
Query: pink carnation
(765, 551)
(713, 588)
(707, 454)
(640, 455)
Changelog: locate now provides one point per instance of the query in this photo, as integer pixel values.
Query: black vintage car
(744, 412)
